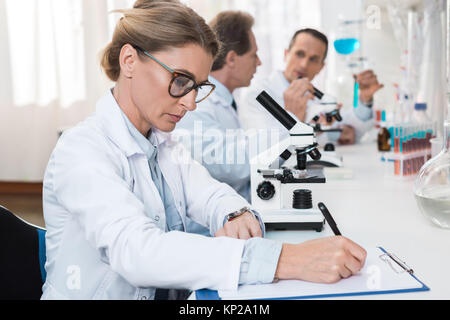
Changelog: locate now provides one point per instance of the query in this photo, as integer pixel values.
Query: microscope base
(299, 226)
(293, 219)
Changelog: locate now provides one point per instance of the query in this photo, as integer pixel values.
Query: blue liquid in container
(347, 45)
(355, 95)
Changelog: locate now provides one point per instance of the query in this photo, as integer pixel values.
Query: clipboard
(383, 273)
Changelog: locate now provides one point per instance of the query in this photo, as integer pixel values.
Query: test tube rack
(410, 148)
(405, 165)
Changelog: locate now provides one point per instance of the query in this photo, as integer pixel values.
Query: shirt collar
(222, 91)
(148, 145)
(115, 125)
(284, 81)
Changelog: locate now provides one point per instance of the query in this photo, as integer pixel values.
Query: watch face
(238, 213)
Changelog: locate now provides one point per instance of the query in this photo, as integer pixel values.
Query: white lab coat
(253, 115)
(102, 244)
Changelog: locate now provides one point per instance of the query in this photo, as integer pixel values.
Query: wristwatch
(239, 213)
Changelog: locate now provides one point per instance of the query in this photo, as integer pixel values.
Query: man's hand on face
(368, 85)
(296, 97)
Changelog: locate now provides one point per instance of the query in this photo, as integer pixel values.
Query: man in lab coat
(292, 89)
(213, 132)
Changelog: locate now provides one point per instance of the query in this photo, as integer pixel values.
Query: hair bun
(147, 4)
(156, 25)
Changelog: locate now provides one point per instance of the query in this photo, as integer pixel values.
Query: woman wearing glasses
(117, 190)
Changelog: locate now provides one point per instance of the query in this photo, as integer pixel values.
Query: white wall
(378, 45)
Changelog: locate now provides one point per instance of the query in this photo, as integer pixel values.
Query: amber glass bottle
(384, 140)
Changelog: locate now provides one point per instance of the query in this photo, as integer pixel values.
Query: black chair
(22, 258)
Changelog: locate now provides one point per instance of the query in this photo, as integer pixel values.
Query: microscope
(325, 105)
(277, 170)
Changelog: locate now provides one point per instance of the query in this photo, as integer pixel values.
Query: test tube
(401, 140)
(408, 139)
(424, 137)
(396, 140)
(403, 133)
(430, 133)
(421, 137)
(378, 118)
(415, 138)
(355, 94)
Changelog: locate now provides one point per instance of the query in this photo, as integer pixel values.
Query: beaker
(432, 185)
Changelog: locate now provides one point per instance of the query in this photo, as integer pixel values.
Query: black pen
(329, 219)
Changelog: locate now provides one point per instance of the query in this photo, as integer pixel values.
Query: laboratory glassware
(348, 37)
(346, 43)
(432, 185)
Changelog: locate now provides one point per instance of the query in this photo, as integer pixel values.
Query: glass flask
(347, 42)
(432, 185)
(347, 37)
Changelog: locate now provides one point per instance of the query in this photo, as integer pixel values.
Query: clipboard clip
(395, 263)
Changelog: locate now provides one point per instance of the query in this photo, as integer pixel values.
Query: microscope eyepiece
(276, 110)
(317, 93)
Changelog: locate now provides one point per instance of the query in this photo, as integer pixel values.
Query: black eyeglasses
(182, 84)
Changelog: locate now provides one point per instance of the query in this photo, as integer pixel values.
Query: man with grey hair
(233, 68)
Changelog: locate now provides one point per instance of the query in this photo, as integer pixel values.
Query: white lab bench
(374, 210)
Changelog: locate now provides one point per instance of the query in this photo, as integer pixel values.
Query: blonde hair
(156, 26)
(143, 4)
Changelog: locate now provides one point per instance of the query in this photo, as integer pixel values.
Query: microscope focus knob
(329, 147)
(265, 190)
(315, 154)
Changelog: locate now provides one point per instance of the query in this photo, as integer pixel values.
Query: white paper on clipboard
(379, 275)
